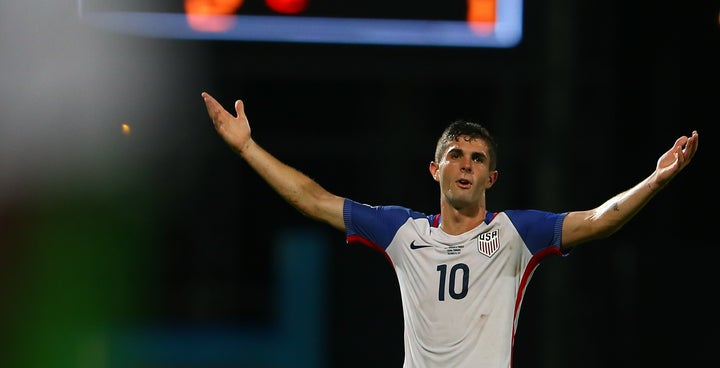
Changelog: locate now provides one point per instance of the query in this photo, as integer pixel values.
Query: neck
(456, 222)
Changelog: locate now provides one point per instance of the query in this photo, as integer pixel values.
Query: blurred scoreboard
(453, 23)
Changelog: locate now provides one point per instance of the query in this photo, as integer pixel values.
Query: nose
(466, 165)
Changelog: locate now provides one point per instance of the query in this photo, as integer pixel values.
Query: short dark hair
(471, 129)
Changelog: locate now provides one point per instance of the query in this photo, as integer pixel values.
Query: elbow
(597, 231)
(608, 230)
(315, 204)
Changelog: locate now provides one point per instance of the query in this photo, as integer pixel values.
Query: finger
(680, 156)
(209, 102)
(693, 143)
(691, 146)
(239, 107)
(680, 142)
(207, 98)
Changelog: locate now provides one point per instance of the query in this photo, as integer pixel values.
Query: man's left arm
(582, 226)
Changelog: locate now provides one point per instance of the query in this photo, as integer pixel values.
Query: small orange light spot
(126, 129)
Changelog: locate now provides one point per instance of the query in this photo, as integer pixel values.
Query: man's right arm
(303, 193)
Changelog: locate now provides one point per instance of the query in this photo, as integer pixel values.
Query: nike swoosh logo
(413, 246)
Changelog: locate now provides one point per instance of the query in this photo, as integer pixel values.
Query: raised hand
(676, 158)
(235, 130)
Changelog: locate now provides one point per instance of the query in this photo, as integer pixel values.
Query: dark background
(109, 238)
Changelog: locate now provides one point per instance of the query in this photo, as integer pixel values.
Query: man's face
(464, 173)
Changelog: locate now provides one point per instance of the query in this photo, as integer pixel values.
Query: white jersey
(461, 294)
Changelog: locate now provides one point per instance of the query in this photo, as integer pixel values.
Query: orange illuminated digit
(481, 14)
(211, 15)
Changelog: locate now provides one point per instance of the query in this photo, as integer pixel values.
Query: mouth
(463, 183)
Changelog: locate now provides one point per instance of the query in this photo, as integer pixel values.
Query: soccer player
(462, 272)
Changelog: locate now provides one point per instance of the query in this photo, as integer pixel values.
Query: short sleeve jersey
(461, 294)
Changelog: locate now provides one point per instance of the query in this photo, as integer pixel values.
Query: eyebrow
(455, 149)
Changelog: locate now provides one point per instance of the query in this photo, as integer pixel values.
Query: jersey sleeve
(538, 229)
(374, 226)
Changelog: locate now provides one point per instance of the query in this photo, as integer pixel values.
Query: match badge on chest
(489, 242)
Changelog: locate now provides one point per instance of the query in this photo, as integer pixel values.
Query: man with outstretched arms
(462, 272)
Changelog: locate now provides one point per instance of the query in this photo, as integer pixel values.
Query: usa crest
(489, 242)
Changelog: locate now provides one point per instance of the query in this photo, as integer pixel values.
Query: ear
(434, 168)
(492, 178)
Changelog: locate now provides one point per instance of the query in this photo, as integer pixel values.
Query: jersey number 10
(452, 281)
